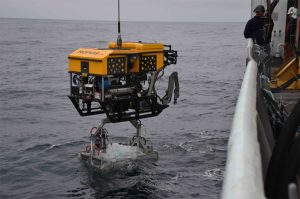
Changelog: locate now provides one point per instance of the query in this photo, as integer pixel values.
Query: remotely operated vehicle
(119, 82)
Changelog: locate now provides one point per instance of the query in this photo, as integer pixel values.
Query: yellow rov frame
(114, 80)
(133, 57)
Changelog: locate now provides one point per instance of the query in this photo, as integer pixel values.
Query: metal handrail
(250, 46)
(243, 174)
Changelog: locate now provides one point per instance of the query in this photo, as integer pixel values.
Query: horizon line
(146, 21)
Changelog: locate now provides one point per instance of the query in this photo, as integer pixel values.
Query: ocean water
(41, 133)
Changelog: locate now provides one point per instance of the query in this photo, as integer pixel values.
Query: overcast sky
(131, 10)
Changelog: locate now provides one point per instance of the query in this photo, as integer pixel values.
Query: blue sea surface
(41, 133)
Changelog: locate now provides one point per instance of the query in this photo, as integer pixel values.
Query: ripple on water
(41, 132)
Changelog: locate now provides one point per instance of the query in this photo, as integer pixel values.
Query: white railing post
(243, 174)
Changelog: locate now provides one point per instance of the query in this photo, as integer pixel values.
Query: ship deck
(287, 97)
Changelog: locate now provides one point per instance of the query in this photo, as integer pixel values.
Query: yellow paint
(90, 54)
(96, 68)
(97, 58)
(287, 71)
(137, 46)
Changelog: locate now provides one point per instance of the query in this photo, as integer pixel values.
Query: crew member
(291, 25)
(260, 27)
(255, 28)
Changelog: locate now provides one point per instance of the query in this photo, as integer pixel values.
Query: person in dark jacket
(260, 27)
(255, 28)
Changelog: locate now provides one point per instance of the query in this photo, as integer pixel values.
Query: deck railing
(243, 174)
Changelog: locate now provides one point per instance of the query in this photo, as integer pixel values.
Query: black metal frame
(133, 108)
(286, 84)
(120, 110)
(170, 55)
(85, 111)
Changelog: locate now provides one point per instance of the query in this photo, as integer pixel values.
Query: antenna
(119, 39)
